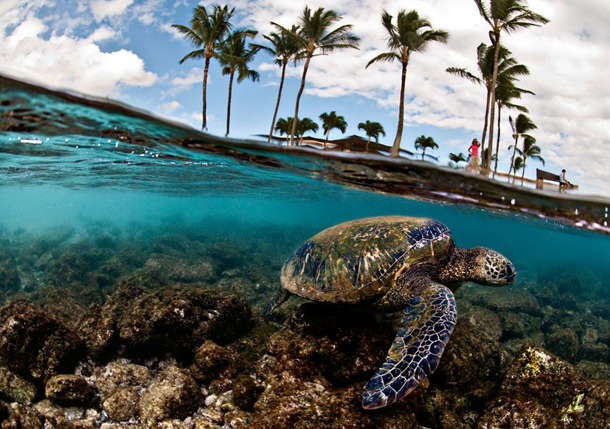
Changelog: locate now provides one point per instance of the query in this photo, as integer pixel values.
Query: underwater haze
(96, 199)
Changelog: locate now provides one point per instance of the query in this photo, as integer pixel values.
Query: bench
(542, 175)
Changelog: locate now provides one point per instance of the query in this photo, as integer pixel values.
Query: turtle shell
(358, 261)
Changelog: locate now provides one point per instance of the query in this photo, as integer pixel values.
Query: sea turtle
(388, 264)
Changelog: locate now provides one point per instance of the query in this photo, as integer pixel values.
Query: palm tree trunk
(205, 84)
(327, 134)
(497, 142)
(485, 126)
(401, 113)
(296, 107)
(279, 96)
(367, 144)
(523, 174)
(494, 82)
(423, 154)
(229, 103)
(512, 159)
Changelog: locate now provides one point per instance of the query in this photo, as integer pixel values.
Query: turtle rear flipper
(425, 329)
(281, 297)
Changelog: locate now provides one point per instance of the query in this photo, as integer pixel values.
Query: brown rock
(122, 405)
(71, 390)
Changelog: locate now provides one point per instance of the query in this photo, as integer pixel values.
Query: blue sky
(126, 49)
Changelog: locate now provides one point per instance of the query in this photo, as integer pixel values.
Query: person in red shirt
(473, 150)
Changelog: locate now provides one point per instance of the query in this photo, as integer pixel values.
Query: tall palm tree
(372, 129)
(520, 127)
(504, 16)
(332, 120)
(411, 33)
(206, 32)
(423, 143)
(504, 97)
(304, 125)
(457, 158)
(234, 55)
(315, 35)
(508, 70)
(530, 150)
(284, 50)
(283, 126)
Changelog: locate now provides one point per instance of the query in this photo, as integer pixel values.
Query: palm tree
(530, 150)
(411, 33)
(518, 166)
(508, 70)
(283, 126)
(304, 125)
(520, 127)
(457, 158)
(504, 96)
(330, 121)
(372, 129)
(284, 50)
(315, 35)
(504, 16)
(205, 33)
(235, 56)
(423, 142)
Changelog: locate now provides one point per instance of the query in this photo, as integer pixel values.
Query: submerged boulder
(9, 273)
(178, 320)
(35, 345)
(66, 389)
(13, 388)
(541, 390)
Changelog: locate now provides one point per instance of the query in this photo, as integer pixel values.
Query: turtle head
(491, 268)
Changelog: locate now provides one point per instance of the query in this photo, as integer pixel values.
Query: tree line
(318, 33)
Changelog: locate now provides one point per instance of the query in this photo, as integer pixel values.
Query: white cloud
(170, 106)
(185, 81)
(108, 8)
(73, 63)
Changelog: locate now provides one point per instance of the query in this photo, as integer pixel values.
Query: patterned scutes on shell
(358, 261)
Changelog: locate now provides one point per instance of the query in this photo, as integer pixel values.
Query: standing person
(473, 150)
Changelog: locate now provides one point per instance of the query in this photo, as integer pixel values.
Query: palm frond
(386, 56)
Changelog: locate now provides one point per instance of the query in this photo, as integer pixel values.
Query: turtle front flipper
(425, 329)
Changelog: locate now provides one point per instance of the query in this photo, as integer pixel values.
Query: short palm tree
(235, 56)
(284, 126)
(508, 70)
(530, 150)
(316, 36)
(457, 158)
(332, 120)
(518, 166)
(206, 32)
(504, 16)
(520, 127)
(411, 33)
(284, 49)
(372, 129)
(423, 143)
(304, 125)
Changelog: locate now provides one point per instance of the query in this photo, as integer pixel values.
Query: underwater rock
(69, 267)
(208, 361)
(120, 374)
(183, 270)
(518, 325)
(172, 394)
(472, 359)
(35, 345)
(594, 370)
(122, 405)
(345, 346)
(245, 391)
(56, 416)
(9, 273)
(98, 329)
(14, 388)
(69, 390)
(178, 320)
(504, 299)
(563, 343)
(540, 390)
(21, 417)
(591, 348)
(4, 411)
